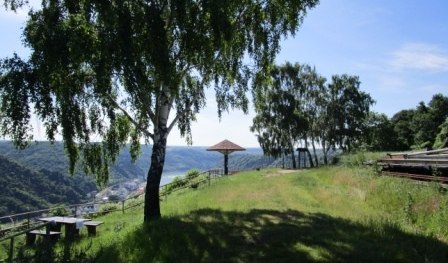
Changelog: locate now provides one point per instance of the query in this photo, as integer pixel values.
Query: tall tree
(312, 105)
(279, 122)
(343, 121)
(424, 127)
(378, 134)
(116, 71)
(402, 124)
(441, 140)
(438, 106)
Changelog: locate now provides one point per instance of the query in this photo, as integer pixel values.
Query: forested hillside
(38, 177)
(23, 189)
(44, 155)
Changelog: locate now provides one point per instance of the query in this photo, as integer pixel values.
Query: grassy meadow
(329, 214)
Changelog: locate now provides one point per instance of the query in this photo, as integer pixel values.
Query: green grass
(330, 214)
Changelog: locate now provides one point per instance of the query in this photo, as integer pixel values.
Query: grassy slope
(322, 215)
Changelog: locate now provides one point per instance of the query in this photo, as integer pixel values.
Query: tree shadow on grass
(209, 235)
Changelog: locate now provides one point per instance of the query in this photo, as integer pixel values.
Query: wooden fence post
(122, 205)
(209, 174)
(11, 250)
(28, 220)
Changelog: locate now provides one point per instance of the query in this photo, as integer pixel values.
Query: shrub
(177, 182)
(114, 198)
(191, 174)
(109, 207)
(59, 211)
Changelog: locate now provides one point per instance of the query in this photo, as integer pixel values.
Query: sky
(399, 50)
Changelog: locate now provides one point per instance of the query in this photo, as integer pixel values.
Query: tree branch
(136, 124)
(151, 114)
(170, 127)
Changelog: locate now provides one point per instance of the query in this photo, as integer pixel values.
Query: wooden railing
(12, 226)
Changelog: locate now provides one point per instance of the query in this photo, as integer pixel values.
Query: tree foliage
(280, 121)
(347, 108)
(442, 138)
(115, 70)
(296, 107)
(378, 133)
(419, 128)
(403, 132)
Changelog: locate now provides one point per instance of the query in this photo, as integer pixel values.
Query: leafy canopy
(111, 71)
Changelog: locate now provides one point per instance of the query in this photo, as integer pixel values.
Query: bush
(191, 174)
(114, 198)
(177, 182)
(182, 181)
(109, 207)
(59, 211)
(360, 158)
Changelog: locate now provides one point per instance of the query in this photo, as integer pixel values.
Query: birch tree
(123, 71)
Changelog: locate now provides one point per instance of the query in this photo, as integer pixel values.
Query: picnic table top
(63, 219)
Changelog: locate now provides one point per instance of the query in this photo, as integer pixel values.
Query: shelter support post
(226, 162)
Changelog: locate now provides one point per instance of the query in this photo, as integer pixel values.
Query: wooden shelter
(303, 152)
(226, 147)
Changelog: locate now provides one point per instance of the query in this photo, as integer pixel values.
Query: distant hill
(38, 175)
(23, 189)
(45, 155)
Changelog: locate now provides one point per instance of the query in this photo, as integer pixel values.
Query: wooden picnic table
(71, 224)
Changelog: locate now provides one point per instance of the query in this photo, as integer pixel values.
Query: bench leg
(53, 238)
(91, 230)
(30, 239)
(56, 227)
(71, 232)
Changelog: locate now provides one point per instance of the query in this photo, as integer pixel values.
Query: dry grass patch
(272, 173)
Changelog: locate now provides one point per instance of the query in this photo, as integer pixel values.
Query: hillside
(179, 159)
(37, 177)
(22, 189)
(47, 164)
(330, 214)
(44, 155)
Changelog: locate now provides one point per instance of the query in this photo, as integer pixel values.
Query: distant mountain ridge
(38, 176)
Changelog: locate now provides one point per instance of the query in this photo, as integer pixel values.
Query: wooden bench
(47, 235)
(91, 226)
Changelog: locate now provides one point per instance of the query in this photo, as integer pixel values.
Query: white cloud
(420, 56)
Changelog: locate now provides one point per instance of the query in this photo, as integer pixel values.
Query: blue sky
(398, 48)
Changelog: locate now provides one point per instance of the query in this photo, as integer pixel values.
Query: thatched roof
(226, 147)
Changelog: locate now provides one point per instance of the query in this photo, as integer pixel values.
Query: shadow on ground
(271, 236)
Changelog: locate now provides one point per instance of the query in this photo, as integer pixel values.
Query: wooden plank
(91, 227)
(48, 235)
(419, 153)
(443, 179)
(44, 233)
(416, 161)
(93, 223)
